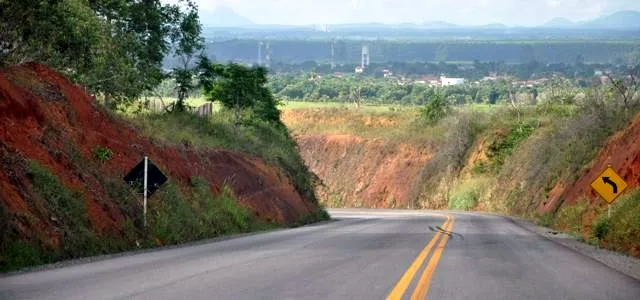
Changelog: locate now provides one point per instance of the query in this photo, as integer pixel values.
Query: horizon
(463, 13)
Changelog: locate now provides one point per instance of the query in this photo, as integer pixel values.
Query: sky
(463, 12)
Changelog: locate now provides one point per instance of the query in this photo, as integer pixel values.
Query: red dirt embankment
(622, 152)
(47, 119)
(364, 172)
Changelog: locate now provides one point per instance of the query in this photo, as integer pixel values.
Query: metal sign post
(146, 178)
(609, 185)
(146, 171)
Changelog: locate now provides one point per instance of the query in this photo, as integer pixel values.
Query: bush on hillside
(437, 108)
(465, 195)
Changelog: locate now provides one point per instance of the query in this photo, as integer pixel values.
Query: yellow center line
(425, 280)
(404, 282)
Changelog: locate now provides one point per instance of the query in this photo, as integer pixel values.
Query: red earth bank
(45, 118)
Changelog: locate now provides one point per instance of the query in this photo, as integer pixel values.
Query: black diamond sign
(155, 178)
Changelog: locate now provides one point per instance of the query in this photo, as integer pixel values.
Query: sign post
(609, 185)
(146, 178)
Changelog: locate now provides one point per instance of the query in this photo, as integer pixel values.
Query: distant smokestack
(365, 57)
(268, 54)
(333, 54)
(260, 54)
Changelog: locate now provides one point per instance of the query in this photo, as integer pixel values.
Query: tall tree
(238, 87)
(188, 43)
(113, 47)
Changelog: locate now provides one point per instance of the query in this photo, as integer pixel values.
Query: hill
(537, 163)
(223, 16)
(618, 20)
(63, 159)
(559, 23)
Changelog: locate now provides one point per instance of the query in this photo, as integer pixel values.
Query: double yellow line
(422, 287)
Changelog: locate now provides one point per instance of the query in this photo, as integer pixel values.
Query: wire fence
(159, 107)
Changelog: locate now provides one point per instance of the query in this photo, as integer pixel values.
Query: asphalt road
(367, 254)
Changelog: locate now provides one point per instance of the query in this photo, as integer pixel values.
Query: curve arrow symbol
(610, 182)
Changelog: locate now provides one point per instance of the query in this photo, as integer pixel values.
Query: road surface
(366, 254)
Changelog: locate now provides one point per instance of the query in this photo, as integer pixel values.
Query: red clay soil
(43, 115)
(364, 172)
(622, 152)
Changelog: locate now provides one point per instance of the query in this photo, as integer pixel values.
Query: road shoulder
(623, 263)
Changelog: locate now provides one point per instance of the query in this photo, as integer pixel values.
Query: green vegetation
(68, 212)
(174, 219)
(622, 231)
(436, 109)
(504, 157)
(244, 133)
(102, 154)
(503, 147)
(240, 88)
(465, 196)
(113, 48)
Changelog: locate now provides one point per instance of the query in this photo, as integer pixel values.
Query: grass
(622, 231)
(570, 218)
(177, 218)
(503, 147)
(465, 195)
(68, 211)
(246, 135)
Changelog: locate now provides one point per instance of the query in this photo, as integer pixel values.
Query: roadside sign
(609, 185)
(155, 178)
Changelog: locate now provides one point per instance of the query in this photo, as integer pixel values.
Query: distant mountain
(438, 25)
(223, 16)
(493, 26)
(619, 20)
(559, 23)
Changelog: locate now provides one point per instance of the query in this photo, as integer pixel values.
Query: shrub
(600, 229)
(103, 154)
(624, 225)
(502, 148)
(465, 195)
(436, 109)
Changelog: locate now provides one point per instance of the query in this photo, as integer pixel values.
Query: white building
(446, 81)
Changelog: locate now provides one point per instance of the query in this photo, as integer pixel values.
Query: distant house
(359, 69)
(387, 73)
(448, 81)
(428, 79)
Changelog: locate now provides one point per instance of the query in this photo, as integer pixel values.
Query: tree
(437, 108)
(188, 41)
(238, 87)
(112, 47)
